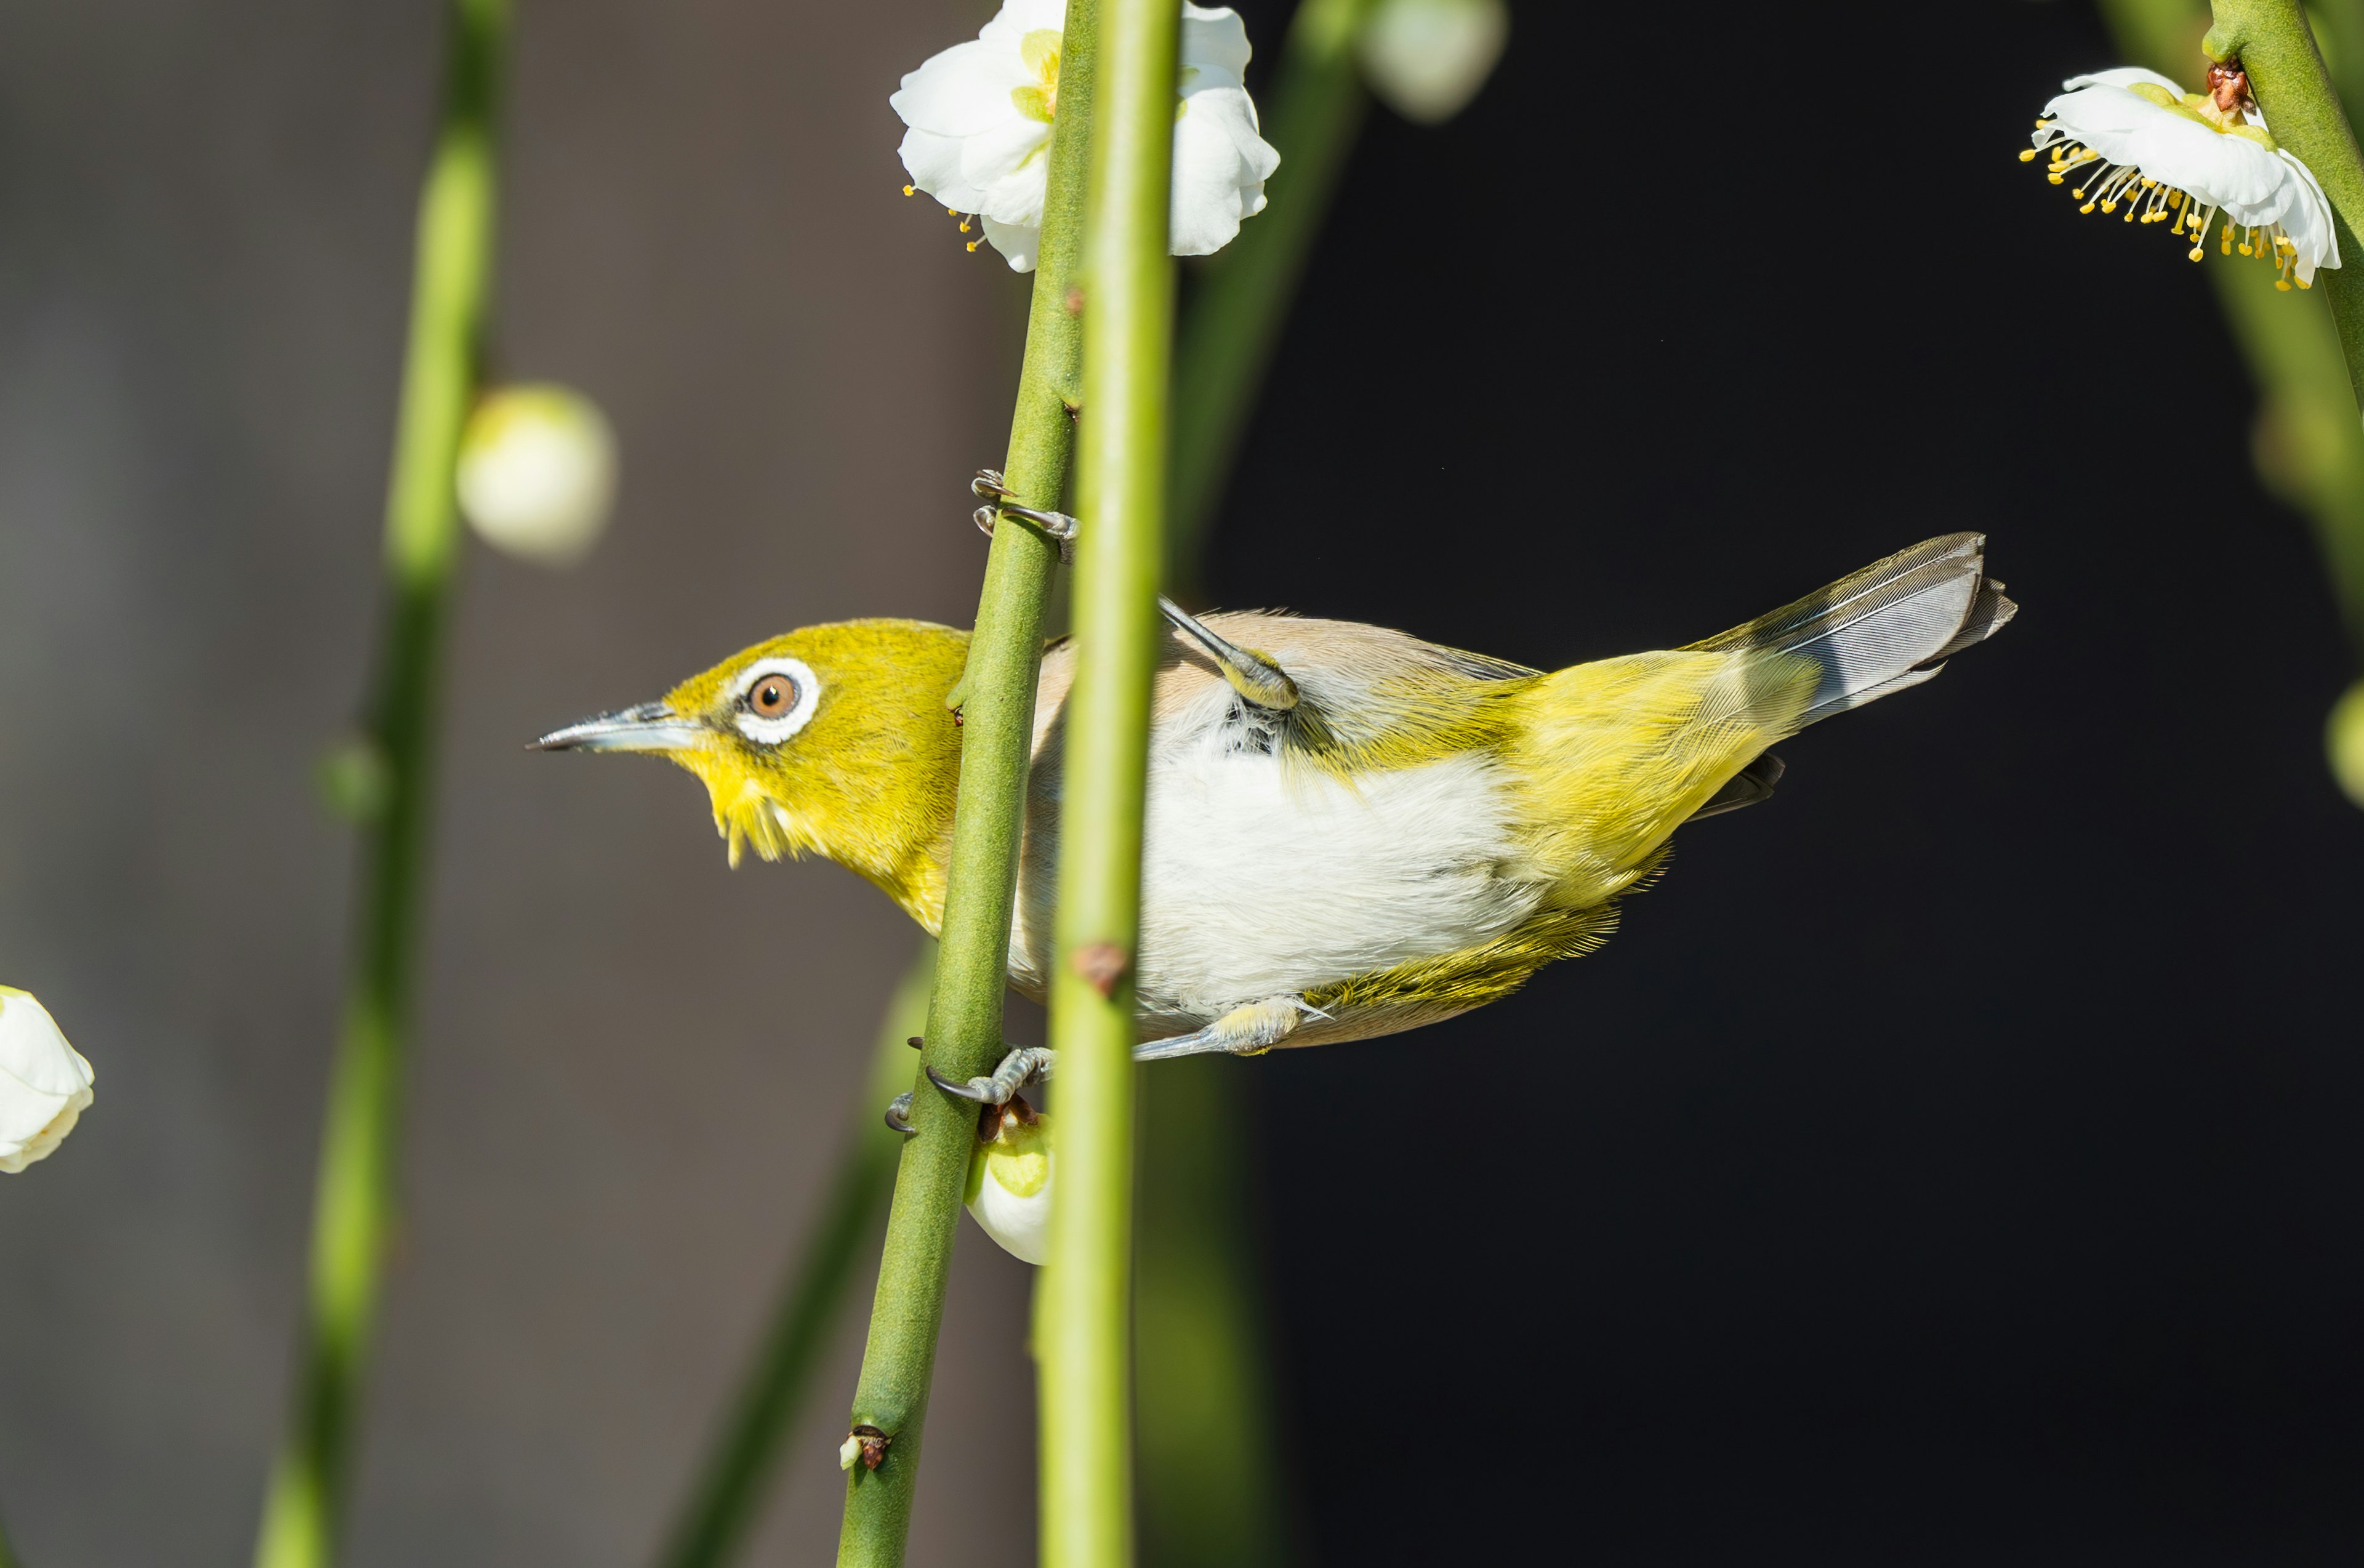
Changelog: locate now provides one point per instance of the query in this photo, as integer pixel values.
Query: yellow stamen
(909, 189)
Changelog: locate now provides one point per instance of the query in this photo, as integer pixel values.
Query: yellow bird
(1350, 831)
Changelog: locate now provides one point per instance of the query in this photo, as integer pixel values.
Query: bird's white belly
(1259, 880)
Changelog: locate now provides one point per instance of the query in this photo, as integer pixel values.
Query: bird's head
(831, 741)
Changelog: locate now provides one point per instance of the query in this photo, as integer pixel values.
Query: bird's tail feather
(1889, 626)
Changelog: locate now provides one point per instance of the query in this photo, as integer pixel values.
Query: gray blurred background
(632, 1064)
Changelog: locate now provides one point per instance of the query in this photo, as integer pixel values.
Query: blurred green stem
(1241, 296)
(730, 1487)
(2309, 445)
(1084, 1301)
(354, 1203)
(2272, 40)
(963, 1035)
(1212, 1492)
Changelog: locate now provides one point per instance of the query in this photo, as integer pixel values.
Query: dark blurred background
(1948, 1163)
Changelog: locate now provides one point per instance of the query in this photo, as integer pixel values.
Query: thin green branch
(732, 1487)
(354, 1201)
(1084, 1326)
(2270, 39)
(1242, 295)
(963, 1035)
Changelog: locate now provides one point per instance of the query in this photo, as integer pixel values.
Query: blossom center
(1040, 52)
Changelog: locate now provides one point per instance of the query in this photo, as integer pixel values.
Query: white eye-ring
(776, 698)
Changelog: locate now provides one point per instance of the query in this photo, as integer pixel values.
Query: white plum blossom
(1426, 59)
(537, 472)
(44, 1083)
(980, 117)
(2134, 137)
(1009, 1183)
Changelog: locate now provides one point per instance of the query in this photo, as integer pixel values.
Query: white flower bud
(1426, 59)
(1009, 1183)
(2343, 737)
(538, 473)
(44, 1081)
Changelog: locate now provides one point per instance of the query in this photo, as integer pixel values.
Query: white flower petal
(1219, 167)
(1214, 39)
(1019, 17)
(964, 90)
(45, 1084)
(1011, 164)
(1019, 243)
(2123, 76)
(934, 163)
(2309, 224)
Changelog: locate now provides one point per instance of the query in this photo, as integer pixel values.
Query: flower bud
(538, 473)
(2343, 737)
(1426, 59)
(44, 1081)
(1010, 1180)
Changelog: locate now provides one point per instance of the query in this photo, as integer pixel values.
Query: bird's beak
(651, 727)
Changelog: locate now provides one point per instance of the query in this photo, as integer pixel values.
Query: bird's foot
(1244, 1032)
(899, 1114)
(1059, 528)
(1029, 1065)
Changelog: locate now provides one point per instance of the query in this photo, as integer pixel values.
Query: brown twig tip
(872, 1444)
(2229, 86)
(992, 1120)
(1102, 964)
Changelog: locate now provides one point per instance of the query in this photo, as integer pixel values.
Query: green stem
(2270, 39)
(1210, 1493)
(738, 1471)
(963, 1031)
(354, 1200)
(1084, 1327)
(1242, 295)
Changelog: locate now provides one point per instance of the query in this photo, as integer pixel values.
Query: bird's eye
(777, 697)
(773, 695)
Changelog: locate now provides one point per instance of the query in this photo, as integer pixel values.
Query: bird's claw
(899, 1114)
(1030, 1064)
(1059, 528)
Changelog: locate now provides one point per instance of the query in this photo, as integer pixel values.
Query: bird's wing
(1351, 698)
